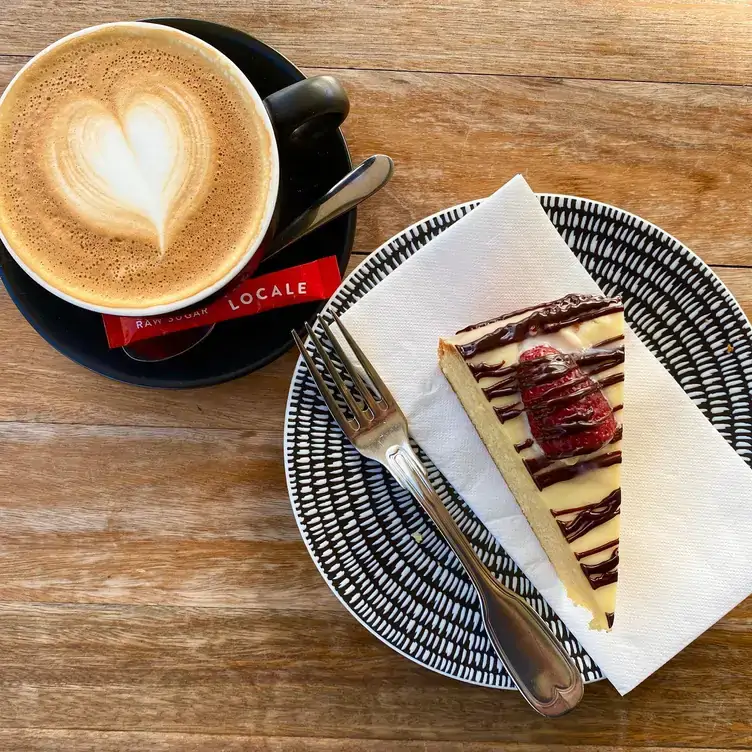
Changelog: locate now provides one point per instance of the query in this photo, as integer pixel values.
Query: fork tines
(374, 404)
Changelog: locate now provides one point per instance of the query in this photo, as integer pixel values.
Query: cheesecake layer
(568, 489)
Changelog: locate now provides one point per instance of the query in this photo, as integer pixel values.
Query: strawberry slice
(567, 411)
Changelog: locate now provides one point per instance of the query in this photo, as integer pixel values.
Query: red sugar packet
(316, 280)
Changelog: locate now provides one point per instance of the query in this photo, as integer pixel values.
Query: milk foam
(136, 168)
(147, 164)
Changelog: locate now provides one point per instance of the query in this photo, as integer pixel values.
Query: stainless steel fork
(544, 673)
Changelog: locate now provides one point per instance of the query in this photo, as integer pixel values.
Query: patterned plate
(372, 543)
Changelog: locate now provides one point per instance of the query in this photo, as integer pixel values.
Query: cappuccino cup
(139, 168)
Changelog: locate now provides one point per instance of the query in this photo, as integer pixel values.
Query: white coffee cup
(297, 111)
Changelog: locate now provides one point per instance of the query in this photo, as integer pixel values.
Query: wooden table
(154, 591)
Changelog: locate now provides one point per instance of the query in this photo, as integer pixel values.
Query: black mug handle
(308, 108)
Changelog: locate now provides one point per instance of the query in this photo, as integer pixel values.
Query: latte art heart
(134, 170)
(139, 169)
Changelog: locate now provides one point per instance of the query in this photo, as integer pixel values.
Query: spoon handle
(355, 187)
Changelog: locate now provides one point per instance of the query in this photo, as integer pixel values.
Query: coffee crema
(136, 170)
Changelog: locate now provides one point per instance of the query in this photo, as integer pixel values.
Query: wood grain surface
(641, 40)
(154, 591)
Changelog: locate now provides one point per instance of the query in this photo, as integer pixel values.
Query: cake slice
(543, 386)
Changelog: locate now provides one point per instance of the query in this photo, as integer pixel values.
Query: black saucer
(234, 348)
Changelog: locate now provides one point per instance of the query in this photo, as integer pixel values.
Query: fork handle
(545, 675)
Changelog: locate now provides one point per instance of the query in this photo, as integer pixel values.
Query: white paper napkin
(686, 521)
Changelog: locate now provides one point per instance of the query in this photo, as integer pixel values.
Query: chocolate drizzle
(604, 572)
(586, 386)
(510, 411)
(597, 356)
(518, 312)
(584, 554)
(485, 370)
(503, 388)
(573, 424)
(579, 422)
(567, 472)
(549, 367)
(524, 445)
(537, 464)
(491, 370)
(569, 310)
(600, 368)
(589, 516)
(610, 341)
(610, 619)
(614, 378)
(546, 369)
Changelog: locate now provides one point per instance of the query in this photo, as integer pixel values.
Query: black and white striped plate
(376, 548)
